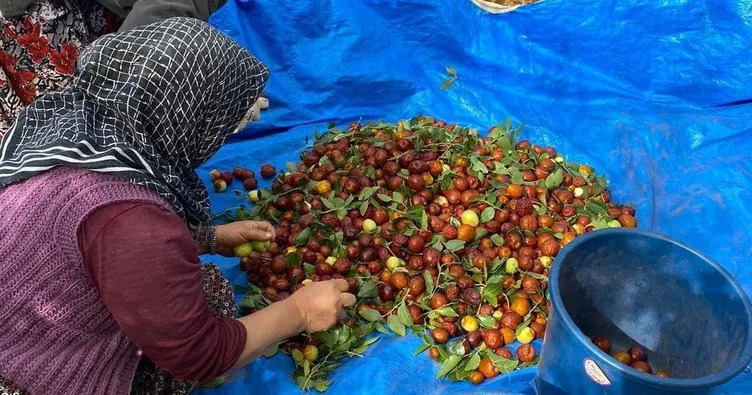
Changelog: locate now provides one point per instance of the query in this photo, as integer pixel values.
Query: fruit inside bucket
(640, 289)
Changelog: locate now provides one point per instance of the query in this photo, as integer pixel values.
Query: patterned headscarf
(149, 105)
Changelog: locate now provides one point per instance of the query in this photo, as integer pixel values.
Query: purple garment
(58, 337)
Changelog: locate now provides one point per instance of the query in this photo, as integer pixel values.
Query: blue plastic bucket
(640, 288)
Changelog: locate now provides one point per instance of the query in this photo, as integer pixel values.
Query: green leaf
(477, 165)
(487, 214)
(306, 367)
(531, 363)
(416, 213)
(271, 350)
(349, 200)
(423, 347)
(597, 209)
(487, 321)
(328, 204)
(394, 323)
(293, 260)
(541, 209)
(384, 198)
(447, 311)
(397, 197)
(382, 329)
(367, 192)
(451, 71)
(447, 83)
(322, 386)
(326, 337)
(303, 236)
(368, 290)
(454, 222)
(498, 240)
(451, 362)
(459, 374)
(491, 292)
(480, 233)
(370, 341)
(473, 363)
(429, 282)
(455, 348)
(454, 245)
(363, 208)
(554, 179)
(404, 315)
(297, 355)
(309, 269)
(370, 315)
(516, 176)
(505, 142)
(504, 365)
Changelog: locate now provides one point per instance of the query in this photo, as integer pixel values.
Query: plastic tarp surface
(655, 94)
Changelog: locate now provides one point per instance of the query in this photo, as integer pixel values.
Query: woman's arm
(144, 263)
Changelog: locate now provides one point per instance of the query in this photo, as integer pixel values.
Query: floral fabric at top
(38, 50)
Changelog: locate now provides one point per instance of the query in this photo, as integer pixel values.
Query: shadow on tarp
(655, 94)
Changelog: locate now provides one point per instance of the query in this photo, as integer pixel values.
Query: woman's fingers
(263, 103)
(341, 284)
(348, 299)
(259, 230)
(265, 226)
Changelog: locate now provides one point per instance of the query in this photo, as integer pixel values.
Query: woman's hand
(315, 307)
(234, 234)
(322, 304)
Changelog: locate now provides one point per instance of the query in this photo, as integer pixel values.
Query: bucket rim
(712, 380)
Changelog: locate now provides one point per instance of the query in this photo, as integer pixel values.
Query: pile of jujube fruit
(436, 228)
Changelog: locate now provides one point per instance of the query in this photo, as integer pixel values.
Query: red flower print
(7, 61)
(23, 84)
(10, 31)
(34, 42)
(65, 59)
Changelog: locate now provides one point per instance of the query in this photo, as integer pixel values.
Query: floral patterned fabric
(38, 51)
(151, 380)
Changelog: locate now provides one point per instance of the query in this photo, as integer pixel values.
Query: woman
(97, 196)
(40, 40)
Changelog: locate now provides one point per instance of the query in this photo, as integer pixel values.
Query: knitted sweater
(58, 337)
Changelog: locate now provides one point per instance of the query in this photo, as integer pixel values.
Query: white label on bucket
(595, 373)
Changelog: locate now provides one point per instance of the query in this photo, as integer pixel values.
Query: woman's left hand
(234, 234)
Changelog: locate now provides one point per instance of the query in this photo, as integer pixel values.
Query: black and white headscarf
(149, 105)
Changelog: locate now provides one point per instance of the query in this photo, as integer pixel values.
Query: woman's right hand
(322, 304)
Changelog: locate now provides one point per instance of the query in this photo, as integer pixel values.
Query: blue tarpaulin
(654, 94)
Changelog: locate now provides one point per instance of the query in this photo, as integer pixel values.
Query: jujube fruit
(488, 368)
(603, 343)
(642, 366)
(267, 170)
(438, 300)
(525, 353)
(492, 338)
(637, 353)
(476, 377)
(440, 335)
